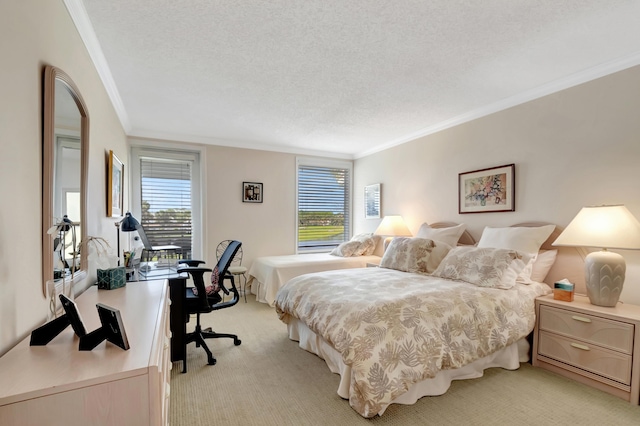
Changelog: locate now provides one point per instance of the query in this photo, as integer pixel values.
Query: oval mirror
(65, 152)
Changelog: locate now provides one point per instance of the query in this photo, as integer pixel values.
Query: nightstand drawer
(591, 329)
(604, 362)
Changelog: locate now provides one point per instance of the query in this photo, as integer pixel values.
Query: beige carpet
(269, 380)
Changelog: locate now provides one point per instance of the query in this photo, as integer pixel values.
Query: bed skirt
(508, 358)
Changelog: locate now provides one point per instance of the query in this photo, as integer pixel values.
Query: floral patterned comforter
(395, 328)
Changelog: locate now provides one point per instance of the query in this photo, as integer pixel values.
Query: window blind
(323, 207)
(166, 202)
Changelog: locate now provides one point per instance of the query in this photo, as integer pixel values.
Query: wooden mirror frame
(51, 75)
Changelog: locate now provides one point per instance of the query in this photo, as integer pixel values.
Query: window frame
(179, 152)
(322, 162)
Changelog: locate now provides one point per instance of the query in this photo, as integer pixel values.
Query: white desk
(57, 384)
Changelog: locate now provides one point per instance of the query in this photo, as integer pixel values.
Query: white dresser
(595, 345)
(57, 384)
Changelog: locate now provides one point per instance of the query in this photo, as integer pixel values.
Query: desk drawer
(604, 362)
(588, 328)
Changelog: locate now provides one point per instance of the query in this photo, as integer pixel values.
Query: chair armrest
(194, 269)
(190, 262)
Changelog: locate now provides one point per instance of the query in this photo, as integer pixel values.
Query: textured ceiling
(346, 77)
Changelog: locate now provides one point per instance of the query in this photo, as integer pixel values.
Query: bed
(395, 336)
(269, 273)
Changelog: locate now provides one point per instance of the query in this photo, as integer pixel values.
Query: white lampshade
(393, 226)
(606, 227)
(612, 227)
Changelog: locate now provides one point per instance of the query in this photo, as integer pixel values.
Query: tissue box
(563, 291)
(109, 279)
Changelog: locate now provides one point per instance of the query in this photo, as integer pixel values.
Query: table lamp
(127, 224)
(606, 227)
(392, 226)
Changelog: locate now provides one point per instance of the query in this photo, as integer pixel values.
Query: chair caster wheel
(212, 361)
(237, 342)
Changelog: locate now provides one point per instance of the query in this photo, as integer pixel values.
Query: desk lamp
(392, 226)
(606, 227)
(127, 224)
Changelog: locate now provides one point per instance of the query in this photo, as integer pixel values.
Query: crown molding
(234, 143)
(581, 77)
(81, 20)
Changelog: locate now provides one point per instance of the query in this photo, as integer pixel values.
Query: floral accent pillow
(523, 239)
(346, 249)
(419, 255)
(484, 267)
(367, 242)
(359, 245)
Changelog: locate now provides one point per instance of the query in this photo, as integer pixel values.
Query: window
(166, 198)
(324, 204)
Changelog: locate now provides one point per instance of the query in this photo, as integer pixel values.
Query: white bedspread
(268, 274)
(395, 329)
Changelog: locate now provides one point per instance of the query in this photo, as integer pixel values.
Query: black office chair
(235, 268)
(199, 302)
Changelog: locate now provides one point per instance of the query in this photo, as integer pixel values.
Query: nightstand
(594, 345)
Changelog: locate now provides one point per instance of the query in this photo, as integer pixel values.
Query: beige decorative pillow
(484, 267)
(346, 249)
(449, 235)
(367, 242)
(418, 255)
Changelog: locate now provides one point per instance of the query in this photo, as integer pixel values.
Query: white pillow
(418, 255)
(523, 239)
(542, 265)
(484, 267)
(449, 236)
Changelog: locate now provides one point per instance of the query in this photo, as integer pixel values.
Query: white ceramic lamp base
(604, 276)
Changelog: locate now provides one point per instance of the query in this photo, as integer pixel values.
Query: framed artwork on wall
(372, 201)
(115, 179)
(252, 192)
(487, 190)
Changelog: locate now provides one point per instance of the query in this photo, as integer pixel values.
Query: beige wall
(266, 228)
(35, 33)
(574, 148)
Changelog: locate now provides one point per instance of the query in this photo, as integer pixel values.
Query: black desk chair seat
(200, 302)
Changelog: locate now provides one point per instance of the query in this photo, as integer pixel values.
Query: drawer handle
(579, 346)
(583, 319)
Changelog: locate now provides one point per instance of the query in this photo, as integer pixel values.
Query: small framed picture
(252, 192)
(115, 180)
(112, 326)
(487, 190)
(372, 201)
